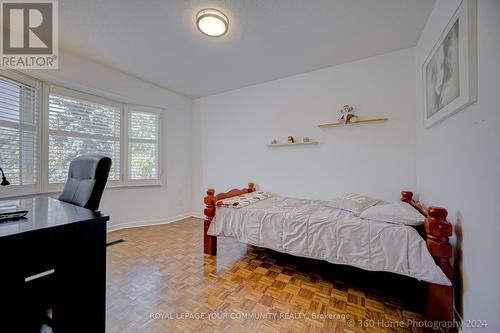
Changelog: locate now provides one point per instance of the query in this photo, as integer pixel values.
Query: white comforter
(310, 228)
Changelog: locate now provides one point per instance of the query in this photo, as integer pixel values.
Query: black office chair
(87, 178)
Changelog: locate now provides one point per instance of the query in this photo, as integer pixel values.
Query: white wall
(134, 206)
(230, 132)
(458, 164)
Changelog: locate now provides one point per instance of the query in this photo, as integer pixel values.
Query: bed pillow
(395, 212)
(243, 200)
(355, 203)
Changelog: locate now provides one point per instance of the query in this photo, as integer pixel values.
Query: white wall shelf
(362, 121)
(292, 144)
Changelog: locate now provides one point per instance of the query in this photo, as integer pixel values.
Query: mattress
(313, 229)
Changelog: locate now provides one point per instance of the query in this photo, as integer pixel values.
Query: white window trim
(146, 109)
(43, 186)
(19, 190)
(58, 90)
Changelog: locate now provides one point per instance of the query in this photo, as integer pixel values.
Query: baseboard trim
(198, 215)
(147, 223)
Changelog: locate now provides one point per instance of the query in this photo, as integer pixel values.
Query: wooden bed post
(438, 230)
(209, 242)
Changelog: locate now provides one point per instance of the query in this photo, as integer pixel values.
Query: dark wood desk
(54, 258)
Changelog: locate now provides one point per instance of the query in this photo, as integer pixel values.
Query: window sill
(132, 185)
(53, 191)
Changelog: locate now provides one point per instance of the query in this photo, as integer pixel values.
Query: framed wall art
(449, 73)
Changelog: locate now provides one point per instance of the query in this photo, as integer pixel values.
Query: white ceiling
(157, 40)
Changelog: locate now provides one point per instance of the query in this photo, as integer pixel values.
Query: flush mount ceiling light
(212, 22)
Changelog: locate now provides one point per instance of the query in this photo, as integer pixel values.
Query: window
(38, 140)
(19, 107)
(79, 124)
(143, 138)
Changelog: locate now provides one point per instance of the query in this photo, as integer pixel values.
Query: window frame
(44, 90)
(146, 109)
(19, 190)
(61, 91)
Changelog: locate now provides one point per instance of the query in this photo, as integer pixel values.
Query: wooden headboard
(407, 196)
(437, 233)
(235, 192)
(210, 242)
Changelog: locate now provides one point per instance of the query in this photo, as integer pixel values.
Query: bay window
(43, 127)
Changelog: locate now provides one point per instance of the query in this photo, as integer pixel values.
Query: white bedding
(310, 228)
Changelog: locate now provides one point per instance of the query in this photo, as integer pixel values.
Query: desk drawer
(29, 254)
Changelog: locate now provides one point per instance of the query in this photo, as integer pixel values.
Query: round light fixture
(212, 22)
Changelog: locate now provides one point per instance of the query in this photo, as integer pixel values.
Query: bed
(315, 229)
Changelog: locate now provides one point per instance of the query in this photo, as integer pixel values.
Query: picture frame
(449, 73)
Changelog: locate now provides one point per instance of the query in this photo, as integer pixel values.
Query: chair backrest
(87, 178)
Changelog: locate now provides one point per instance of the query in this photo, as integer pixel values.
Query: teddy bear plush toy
(347, 115)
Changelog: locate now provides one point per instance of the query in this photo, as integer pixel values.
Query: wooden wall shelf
(362, 121)
(292, 144)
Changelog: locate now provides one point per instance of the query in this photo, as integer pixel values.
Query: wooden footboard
(210, 242)
(438, 230)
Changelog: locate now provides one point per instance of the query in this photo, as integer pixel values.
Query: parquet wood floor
(159, 278)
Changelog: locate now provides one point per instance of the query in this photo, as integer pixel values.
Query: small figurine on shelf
(291, 139)
(347, 115)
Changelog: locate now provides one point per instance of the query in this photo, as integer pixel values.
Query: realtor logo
(29, 34)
